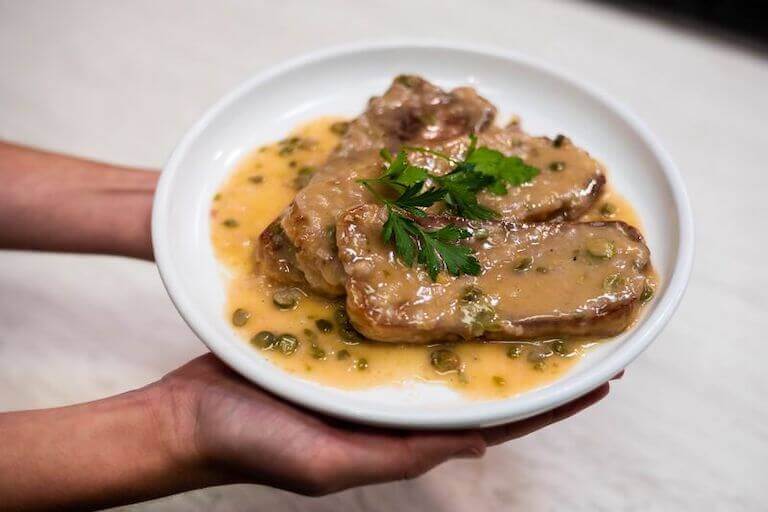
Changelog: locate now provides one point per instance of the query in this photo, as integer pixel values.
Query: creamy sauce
(259, 188)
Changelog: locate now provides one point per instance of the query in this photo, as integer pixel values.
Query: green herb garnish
(438, 250)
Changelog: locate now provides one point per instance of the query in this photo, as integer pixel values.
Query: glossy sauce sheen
(257, 191)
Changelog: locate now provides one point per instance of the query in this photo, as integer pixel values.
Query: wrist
(172, 409)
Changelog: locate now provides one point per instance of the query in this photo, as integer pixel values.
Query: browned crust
(275, 256)
(611, 320)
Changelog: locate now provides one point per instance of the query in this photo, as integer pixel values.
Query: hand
(239, 433)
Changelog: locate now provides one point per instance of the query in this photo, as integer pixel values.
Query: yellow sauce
(260, 187)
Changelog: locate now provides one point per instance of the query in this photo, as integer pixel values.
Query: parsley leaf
(481, 169)
(437, 250)
(461, 186)
(505, 170)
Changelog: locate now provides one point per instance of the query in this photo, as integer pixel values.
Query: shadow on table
(737, 22)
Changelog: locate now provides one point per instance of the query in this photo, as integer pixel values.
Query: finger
(398, 456)
(503, 433)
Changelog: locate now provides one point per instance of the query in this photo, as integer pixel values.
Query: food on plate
(413, 113)
(536, 281)
(423, 241)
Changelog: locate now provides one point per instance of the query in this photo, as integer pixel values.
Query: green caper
(647, 294)
(612, 282)
(522, 264)
(561, 347)
(539, 353)
(346, 330)
(349, 335)
(361, 364)
(230, 223)
(323, 325)
(514, 351)
(286, 298)
(340, 315)
(302, 177)
(316, 352)
(499, 380)
(240, 317)
(472, 294)
(287, 344)
(407, 80)
(557, 166)
(340, 127)
(601, 248)
(309, 333)
(444, 360)
(480, 234)
(256, 179)
(330, 232)
(608, 209)
(342, 354)
(539, 366)
(264, 339)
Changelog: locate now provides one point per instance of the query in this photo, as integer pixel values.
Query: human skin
(200, 425)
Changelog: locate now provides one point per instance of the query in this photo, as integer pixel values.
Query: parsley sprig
(438, 250)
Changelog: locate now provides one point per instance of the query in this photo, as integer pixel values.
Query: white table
(686, 429)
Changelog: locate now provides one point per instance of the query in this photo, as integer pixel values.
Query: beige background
(121, 81)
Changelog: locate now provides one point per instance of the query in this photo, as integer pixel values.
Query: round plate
(339, 82)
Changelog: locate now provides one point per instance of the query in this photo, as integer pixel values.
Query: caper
(480, 234)
(539, 354)
(264, 339)
(324, 325)
(514, 351)
(330, 232)
(499, 380)
(647, 294)
(539, 365)
(316, 352)
(601, 248)
(522, 263)
(444, 360)
(612, 282)
(230, 223)
(472, 294)
(286, 298)
(542, 270)
(361, 364)
(608, 209)
(340, 127)
(287, 344)
(240, 317)
(559, 140)
(560, 347)
(302, 177)
(349, 335)
(256, 179)
(342, 354)
(407, 80)
(309, 333)
(557, 166)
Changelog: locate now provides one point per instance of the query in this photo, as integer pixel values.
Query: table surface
(687, 427)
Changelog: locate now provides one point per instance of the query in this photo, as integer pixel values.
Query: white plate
(339, 81)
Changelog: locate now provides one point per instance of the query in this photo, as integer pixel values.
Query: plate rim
(483, 413)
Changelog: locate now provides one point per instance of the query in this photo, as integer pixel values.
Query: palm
(257, 437)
